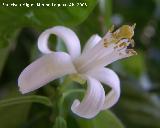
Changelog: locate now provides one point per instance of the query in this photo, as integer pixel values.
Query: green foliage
(60, 123)
(13, 115)
(105, 119)
(134, 65)
(25, 99)
(3, 54)
(40, 18)
(137, 108)
(13, 19)
(5, 49)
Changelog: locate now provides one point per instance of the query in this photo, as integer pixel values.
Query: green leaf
(5, 48)
(137, 108)
(3, 55)
(105, 119)
(13, 116)
(25, 99)
(46, 16)
(14, 19)
(14, 111)
(41, 17)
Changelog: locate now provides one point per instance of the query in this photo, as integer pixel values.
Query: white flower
(90, 65)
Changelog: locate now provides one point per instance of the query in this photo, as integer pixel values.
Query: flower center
(121, 38)
(77, 78)
(114, 45)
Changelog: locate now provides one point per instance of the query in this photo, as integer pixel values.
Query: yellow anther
(131, 51)
(134, 52)
(123, 44)
(132, 42)
(105, 40)
(106, 43)
(117, 42)
(116, 38)
(115, 47)
(112, 28)
(125, 31)
(133, 26)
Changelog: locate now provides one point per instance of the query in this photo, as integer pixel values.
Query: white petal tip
(44, 70)
(67, 35)
(22, 88)
(75, 104)
(92, 102)
(22, 91)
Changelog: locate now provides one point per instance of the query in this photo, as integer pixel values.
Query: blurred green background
(139, 105)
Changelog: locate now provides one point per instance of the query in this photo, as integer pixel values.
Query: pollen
(125, 31)
(123, 44)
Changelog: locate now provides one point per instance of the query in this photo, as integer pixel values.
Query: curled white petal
(93, 101)
(110, 78)
(70, 39)
(44, 70)
(92, 41)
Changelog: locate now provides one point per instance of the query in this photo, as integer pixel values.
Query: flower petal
(88, 59)
(110, 78)
(44, 70)
(93, 40)
(70, 39)
(112, 57)
(93, 101)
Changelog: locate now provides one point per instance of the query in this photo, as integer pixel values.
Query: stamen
(107, 40)
(116, 47)
(106, 43)
(133, 26)
(125, 47)
(124, 32)
(123, 44)
(120, 41)
(112, 28)
(132, 43)
(131, 51)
